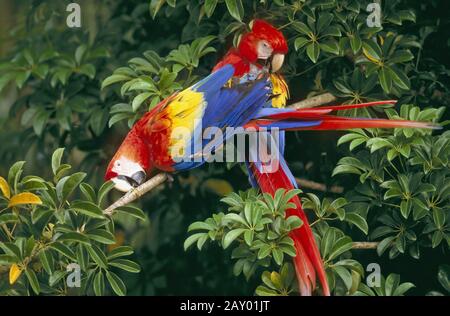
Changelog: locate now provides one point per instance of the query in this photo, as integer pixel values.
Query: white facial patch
(125, 167)
(264, 50)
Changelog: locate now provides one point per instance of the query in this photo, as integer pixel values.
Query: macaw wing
(176, 131)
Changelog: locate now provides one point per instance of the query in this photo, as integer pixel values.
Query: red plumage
(246, 54)
(308, 261)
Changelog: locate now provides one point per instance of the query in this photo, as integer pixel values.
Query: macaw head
(265, 43)
(129, 166)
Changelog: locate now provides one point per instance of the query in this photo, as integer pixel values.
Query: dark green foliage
(44, 231)
(83, 88)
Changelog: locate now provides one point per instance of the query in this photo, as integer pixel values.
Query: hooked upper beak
(126, 183)
(277, 62)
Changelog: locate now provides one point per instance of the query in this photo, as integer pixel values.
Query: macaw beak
(126, 183)
(277, 62)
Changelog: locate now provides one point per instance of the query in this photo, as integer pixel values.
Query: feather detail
(280, 91)
(319, 119)
(175, 131)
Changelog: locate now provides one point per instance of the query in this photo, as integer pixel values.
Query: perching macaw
(240, 93)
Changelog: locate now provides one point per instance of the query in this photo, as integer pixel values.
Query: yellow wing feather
(280, 91)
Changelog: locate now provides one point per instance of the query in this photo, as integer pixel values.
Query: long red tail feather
(308, 261)
(319, 119)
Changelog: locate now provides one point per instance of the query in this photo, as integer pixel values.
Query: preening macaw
(243, 91)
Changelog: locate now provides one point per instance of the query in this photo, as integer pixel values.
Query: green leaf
(330, 47)
(278, 256)
(372, 49)
(355, 43)
(200, 226)
(235, 8)
(56, 159)
(385, 78)
(155, 6)
(302, 28)
(102, 236)
(88, 192)
(248, 236)
(358, 220)
(126, 265)
(56, 277)
(300, 42)
(342, 245)
(87, 208)
(114, 79)
(384, 244)
(210, 6)
(264, 251)
(399, 79)
(313, 51)
(345, 169)
(15, 172)
(438, 217)
(116, 283)
(324, 21)
(264, 291)
(7, 260)
(75, 237)
(139, 99)
(405, 208)
(82, 257)
(436, 239)
(103, 191)
(68, 184)
(99, 284)
(64, 250)
(403, 288)
(8, 218)
(391, 283)
(46, 260)
(40, 121)
(231, 236)
(31, 276)
(132, 211)
(98, 256)
(98, 120)
(79, 53)
(11, 249)
(121, 251)
(191, 240)
(444, 276)
(236, 218)
(345, 275)
(88, 70)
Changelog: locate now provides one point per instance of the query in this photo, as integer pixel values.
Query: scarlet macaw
(237, 94)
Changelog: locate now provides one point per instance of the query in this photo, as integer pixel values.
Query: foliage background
(51, 80)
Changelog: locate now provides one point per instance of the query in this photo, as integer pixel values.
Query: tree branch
(138, 192)
(364, 245)
(314, 101)
(318, 186)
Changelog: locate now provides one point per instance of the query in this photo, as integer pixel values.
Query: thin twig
(314, 101)
(137, 192)
(318, 186)
(364, 245)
